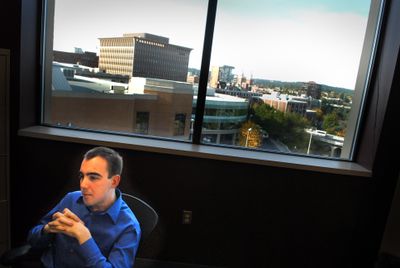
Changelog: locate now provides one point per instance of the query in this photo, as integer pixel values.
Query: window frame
(335, 166)
(363, 82)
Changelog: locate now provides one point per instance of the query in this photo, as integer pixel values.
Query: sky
(288, 40)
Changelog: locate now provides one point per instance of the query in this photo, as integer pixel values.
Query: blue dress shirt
(114, 242)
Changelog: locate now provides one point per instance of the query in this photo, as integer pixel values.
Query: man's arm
(122, 254)
(37, 238)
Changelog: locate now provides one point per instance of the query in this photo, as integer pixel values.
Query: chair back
(146, 215)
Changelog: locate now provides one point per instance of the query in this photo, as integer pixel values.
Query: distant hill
(298, 85)
(337, 89)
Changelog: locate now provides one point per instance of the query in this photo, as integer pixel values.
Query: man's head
(114, 160)
(100, 174)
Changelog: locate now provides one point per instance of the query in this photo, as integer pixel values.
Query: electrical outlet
(187, 217)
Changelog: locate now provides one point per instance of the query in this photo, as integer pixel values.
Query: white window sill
(201, 151)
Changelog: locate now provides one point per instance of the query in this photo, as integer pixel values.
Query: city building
(242, 82)
(223, 116)
(214, 77)
(144, 55)
(285, 103)
(144, 106)
(313, 89)
(221, 76)
(239, 93)
(225, 74)
(193, 79)
(86, 58)
(149, 106)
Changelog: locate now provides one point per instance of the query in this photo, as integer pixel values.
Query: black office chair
(26, 256)
(146, 215)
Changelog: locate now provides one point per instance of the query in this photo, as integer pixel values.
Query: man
(92, 227)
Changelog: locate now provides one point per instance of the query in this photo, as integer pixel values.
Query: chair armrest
(15, 255)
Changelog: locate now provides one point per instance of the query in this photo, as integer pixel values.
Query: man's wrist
(44, 231)
(84, 236)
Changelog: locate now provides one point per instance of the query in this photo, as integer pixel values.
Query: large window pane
(126, 66)
(295, 65)
(285, 76)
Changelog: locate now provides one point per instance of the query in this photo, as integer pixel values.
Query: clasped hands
(69, 224)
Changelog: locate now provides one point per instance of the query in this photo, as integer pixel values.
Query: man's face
(96, 187)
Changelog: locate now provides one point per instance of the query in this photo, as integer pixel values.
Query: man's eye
(80, 176)
(93, 178)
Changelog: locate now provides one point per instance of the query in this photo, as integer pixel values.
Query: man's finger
(57, 215)
(54, 227)
(60, 219)
(68, 213)
(66, 221)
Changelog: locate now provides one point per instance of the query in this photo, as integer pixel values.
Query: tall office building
(225, 74)
(214, 77)
(221, 76)
(313, 89)
(144, 55)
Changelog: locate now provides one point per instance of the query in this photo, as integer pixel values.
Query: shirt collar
(112, 211)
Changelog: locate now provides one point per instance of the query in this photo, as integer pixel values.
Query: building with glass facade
(144, 55)
(223, 116)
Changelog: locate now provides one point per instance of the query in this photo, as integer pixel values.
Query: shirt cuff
(38, 238)
(91, 252)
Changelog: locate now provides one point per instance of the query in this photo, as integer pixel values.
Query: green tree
(288, 128)
(295, 136)
(269, 119)
(331, 122)
(335, 123)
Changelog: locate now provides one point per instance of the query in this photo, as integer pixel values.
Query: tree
(319, 118)
(268, 118)
(250, 135)
(294, 135)
(288, 128)
(331, 122)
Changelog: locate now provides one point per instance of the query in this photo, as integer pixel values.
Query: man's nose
(84, 182)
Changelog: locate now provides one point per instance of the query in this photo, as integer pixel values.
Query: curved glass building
(223, 116)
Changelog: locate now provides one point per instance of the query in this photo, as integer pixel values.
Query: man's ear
(115, 180)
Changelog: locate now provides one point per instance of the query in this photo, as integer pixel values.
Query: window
(102, 73)
(179, 124)
(284, 77)
(142, 122)
(303, 67)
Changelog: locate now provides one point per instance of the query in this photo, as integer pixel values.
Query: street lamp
(247, 137)
(309, 143)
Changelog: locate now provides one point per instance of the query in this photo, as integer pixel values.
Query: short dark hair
(114, 160)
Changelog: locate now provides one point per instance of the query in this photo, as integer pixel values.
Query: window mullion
(205, 66)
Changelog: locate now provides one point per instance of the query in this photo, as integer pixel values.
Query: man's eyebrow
(91, 174)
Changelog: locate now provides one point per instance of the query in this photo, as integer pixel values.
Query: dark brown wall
(243, 215)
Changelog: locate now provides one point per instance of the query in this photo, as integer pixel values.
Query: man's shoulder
(127, 215)
(73, 196)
